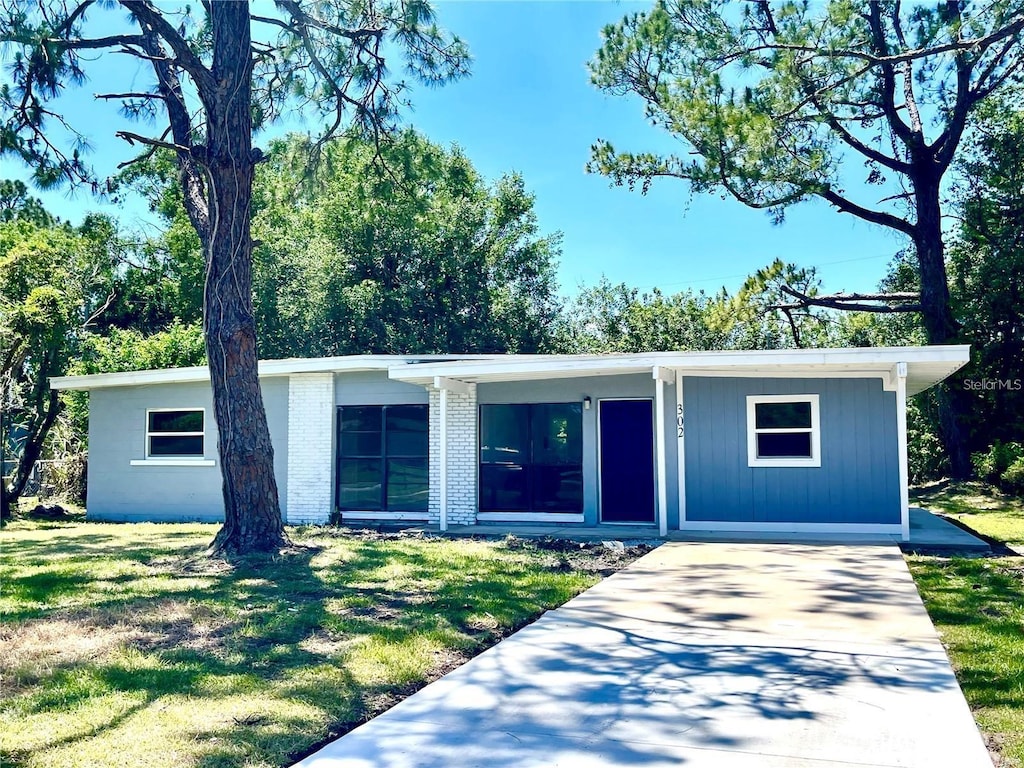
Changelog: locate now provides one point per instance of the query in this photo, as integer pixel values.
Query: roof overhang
(926, 366)
(267, 368)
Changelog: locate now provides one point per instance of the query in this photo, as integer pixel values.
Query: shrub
(1002, 465)
(1013, 478)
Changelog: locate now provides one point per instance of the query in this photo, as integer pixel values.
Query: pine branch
(852, 302)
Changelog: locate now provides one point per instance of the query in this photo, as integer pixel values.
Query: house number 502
(679, 420)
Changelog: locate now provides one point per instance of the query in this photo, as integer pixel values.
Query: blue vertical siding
(857, 482)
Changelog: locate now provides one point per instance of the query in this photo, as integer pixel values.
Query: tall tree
(987, 267)
(381, 249)
(423, 257)
(52, 280)
(777, 103)
(213, 84)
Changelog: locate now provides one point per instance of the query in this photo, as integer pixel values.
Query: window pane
(783, 415)
(558, 434)
(503, 487)
(784, 445)
(408, 488)
(504, 433)
(407, 429)
(557, 488)
(359, 484)
(175, 446)
(176, 421)
(407, 418)
(363, 418)
(360, 444)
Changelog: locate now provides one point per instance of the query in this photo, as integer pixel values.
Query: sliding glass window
(382, 458)
(531, 458)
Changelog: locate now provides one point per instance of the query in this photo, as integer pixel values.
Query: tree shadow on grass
(287, 627)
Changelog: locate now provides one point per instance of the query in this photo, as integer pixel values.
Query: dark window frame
(164, 433)
(533, 470)
(384, 456)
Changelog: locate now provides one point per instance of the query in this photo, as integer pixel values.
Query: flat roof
(926, 366)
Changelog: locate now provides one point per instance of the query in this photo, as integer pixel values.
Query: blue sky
(529, 107)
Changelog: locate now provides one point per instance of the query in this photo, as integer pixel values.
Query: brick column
(310, 448)
(462, 457)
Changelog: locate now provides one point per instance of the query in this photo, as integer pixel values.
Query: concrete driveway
(700, 655)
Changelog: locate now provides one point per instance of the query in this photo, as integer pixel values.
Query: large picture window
(531, 458)
(175, 434)
(382, 458)
(783, 431)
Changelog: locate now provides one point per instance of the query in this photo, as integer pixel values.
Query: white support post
(661, 377)
(681, 448)
(901, 447)
(444, 459)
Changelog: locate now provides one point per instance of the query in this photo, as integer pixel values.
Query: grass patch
(125, 645)
(986, 510)
(977, 605)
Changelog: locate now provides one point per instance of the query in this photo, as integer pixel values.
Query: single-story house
(810, 440)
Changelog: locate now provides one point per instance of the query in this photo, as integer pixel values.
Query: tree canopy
(776, 103)
(54, 281)
(213, 84)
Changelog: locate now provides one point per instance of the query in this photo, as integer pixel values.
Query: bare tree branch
(904, 302)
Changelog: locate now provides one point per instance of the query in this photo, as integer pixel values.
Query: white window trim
(174, 461)
(753, 460)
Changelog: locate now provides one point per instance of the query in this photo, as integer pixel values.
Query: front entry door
(627, 461)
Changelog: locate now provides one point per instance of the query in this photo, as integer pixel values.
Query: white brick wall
(462, 457)
(310, 447)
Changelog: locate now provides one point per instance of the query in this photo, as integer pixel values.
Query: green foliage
(926, 458)
(17, 204)
(408, 250)
(325, 60)
(617, 318)
(52, 282)
(1013, 478)
(405, 249)
(987, 268)
(1002, 465)
(771, 99)
(179, 345)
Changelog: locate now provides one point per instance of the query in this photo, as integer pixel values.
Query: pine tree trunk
(939, 323)
(252, 514)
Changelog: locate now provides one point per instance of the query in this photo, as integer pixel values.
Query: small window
(783, 431)
(175, 434)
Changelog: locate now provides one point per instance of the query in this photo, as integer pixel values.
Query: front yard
(977, 605)
(124, 645)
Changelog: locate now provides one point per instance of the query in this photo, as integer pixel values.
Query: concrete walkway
(701, 655)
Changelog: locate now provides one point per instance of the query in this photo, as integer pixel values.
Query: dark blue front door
(627, 461)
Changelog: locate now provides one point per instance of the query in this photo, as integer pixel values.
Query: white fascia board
(934, 364)
(513, 367)
(854, 362)
(267, 368)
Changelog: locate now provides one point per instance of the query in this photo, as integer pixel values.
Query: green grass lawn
(124, 645)
(977, 505)
(977, 605)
